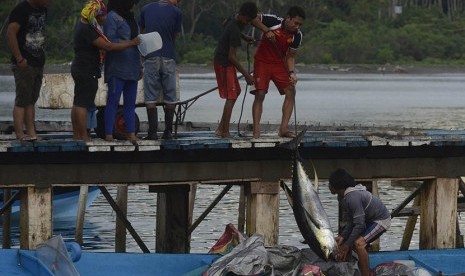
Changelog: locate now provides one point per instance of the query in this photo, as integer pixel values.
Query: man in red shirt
(275, 61)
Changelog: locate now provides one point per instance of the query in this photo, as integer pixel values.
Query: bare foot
(287, 134)
(109, 138)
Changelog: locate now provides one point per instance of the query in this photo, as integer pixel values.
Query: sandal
(27, 138)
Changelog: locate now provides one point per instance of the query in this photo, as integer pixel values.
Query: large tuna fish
(309, 213)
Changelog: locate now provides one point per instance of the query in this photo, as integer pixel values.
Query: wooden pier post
(36, 216)
(172, 218)
(263, 211)
(6, 221)
(83, 193)
(438, 214)
(120, 231)
(242, 210)
(375, 245)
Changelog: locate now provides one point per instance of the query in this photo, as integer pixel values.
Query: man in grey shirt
(367, 218)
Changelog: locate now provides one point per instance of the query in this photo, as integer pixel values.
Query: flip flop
(27, 138)
(288, 134)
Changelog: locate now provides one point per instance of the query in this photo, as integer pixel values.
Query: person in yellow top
(89, 46)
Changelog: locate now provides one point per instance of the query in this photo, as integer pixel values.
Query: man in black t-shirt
(26, 40)
(226, 63)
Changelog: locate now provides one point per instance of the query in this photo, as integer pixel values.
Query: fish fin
(287, 191)
(316, 183)
(294, 143)
(315, 222)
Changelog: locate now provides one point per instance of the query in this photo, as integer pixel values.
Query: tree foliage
(335, 31)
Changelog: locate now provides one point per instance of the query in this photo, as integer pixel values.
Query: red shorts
(228, 83)
(276, 72)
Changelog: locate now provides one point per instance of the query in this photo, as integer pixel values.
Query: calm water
(423, 101)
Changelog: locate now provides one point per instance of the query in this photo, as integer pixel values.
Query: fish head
(328, 252)
(328, 244)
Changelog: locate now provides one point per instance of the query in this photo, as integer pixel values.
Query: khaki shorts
(28, 82)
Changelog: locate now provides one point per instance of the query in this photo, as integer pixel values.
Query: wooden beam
(404, 203)
(263, 212)
(83, 193)
(6, 219)
(120, 231)
(122, 216)
(209, 208)
(438, 214)
(410, 227)
(35, 225)
(9, 200)
(375, 245)
(173, 220)
(267, 170)
(242, 210)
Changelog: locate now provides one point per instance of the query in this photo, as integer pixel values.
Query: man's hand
(339, 240)
(135, 41)
(22, 63)
(293, 78)
(270, 35)
(249, 39)
(249, 79)
(342, 253)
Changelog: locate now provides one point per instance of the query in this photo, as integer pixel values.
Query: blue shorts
(372, 232)
(160, 77)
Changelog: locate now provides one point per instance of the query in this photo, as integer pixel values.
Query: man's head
(175, 2)
(247, 12)
(340, 180)
(121, 5)
(294, 19)
(39, 3)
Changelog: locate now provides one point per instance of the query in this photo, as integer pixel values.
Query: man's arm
(232, 56)
(12, 31)
(257, 23)
(121, 45)
(290, 62)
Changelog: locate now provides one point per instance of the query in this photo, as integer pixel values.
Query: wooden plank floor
(60, 142)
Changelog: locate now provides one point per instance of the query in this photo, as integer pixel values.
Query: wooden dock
(172, 168)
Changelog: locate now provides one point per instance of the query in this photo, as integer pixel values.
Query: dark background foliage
(335, 31)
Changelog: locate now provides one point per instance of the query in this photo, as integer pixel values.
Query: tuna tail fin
(294, 143)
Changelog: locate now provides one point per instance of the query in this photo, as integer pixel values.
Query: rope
(246, 88)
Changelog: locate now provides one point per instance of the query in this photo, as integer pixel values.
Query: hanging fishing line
(246, 89)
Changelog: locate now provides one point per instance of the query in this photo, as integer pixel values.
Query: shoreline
(5, 69)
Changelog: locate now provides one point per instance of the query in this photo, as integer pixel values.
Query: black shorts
(28, 82)
(85, 88)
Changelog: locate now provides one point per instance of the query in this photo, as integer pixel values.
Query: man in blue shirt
(165, 18)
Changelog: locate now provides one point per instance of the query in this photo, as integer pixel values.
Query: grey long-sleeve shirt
(361, 209)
